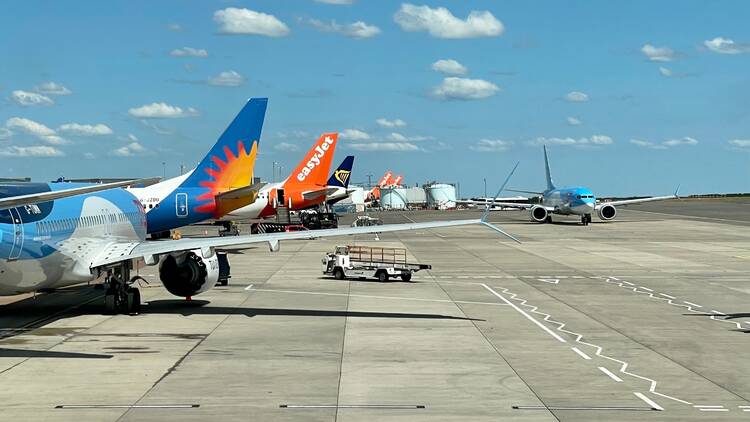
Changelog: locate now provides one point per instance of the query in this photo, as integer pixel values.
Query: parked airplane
(339, 180)
(221, 183)
(569, 201)
(54, 237)
(305, 187)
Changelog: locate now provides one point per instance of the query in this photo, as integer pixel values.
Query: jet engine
(607, 212)
(538, 214)
(189, 273)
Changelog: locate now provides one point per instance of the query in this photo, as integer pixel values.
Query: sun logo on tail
(227, 173)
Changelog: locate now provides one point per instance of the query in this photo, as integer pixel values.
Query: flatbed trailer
(370, 262)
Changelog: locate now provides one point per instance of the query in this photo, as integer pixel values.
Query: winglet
(486, 214)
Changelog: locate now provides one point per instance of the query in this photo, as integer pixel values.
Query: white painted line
(714, 410)
(627, 282)
(608, 373)
(707, 405)
(692, 304)
(648, 401)
(529, 317)
(744, 407)
(717, 312)
(666, 295)
(580, 353)
(645, 288)
(249, 287)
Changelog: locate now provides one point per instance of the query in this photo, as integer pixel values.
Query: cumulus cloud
(25, 98)
(595, 140)
(357, 29)
(188, 52)
(129, 150)
(228, 78)
(665, 72)
(286, 147)
(354, 135)
(491, 145)
(395, 136)
(384, 146)
(174, 27)
(576, 97)
(383, 122)
(449, 67)
(32, 151)
(161, 111)
(726, 46)
(573, 121)
(441, 23)
(647, 144)
(85, 130)
(35, 129)
(454, 88)
(682, 141)
(336, 1)
(666, 144)
(740, 143)
(52, 88)
(5, 133)
(234, 21)
(657, 54)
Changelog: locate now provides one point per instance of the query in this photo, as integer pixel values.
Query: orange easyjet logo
(320, 152)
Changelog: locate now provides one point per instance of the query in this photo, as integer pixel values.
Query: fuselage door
(181, 204)
(15, 250)
(280, 197)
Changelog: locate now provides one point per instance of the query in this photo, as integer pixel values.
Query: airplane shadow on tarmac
(198, 307)
(25, 353)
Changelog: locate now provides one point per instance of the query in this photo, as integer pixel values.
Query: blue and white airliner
(569, 201)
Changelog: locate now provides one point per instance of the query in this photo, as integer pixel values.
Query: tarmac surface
(643, 318)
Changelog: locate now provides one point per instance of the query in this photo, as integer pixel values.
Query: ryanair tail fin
(550, 184)
(229, 164)
(342, 174)
(316, 165)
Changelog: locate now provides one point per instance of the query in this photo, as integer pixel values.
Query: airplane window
(150, 206)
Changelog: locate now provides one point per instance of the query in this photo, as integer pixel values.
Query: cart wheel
(383, 276)
(406, 276)
(338, 274)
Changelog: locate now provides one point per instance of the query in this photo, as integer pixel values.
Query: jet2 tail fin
(342, 174)
(550, 184)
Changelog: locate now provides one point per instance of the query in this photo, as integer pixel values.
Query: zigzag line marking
(578, 339)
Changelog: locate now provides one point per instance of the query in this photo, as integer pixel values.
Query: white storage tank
(416, 197)
(393, 198)
(441, 196)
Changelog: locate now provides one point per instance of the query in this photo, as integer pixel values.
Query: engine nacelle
(189, 273)
(538, 214)
(607, 212)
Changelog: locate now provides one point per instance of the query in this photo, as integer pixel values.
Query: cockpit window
(578, 197)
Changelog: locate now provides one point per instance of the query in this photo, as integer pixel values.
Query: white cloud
(293, 134)
(454, 88)
(32, 151)
(174, 27)
(665, 72)
(35, 129)
(354, 135)
(395, 136)
(491, 145)
(441, 23)
(85, 130)
(683, 141)
(236, 21)
(383, 122)
(357, 29)
(89, 155)
(726, 46)
(286, 147)
(576, 97)
(5, 133)
(129, 150)
(741, 143)
(228, 78)
(385, 146)
(336, 1)
(449, 67)
(601, 140)
(595, 140)
(657, 54)
(188, 52)
(52, 88)
(161, 111)
(647, 144)
(573, 121)
(25, 98)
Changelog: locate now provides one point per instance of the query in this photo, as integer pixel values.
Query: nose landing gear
(586, 219)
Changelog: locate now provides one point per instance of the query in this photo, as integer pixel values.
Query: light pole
(273, 173)
(280, 167)
(164, 170)
(485, 187)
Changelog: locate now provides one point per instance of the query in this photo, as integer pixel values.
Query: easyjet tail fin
(342, 174)
(315, 167)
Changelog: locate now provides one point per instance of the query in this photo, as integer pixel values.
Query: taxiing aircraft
(569, 201)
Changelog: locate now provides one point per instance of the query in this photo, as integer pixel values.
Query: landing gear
(121, 297)
(586, 219)
(548, 220)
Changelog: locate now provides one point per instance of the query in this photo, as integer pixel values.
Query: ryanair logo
(342, 175)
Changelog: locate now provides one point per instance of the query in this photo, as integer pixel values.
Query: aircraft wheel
(110, 302)
(548, 220)
(134, 301)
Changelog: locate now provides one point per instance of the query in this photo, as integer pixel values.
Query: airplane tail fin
(342, 174)
(230, 162)
(397, 180)
(550, 184)
(386, 179)
(316, 165)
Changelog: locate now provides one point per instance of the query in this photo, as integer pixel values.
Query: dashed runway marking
(609, 373)
(580, 353)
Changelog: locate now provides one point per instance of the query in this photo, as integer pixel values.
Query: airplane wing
(36, 198)
(312, 194)
(149, 251)
(640, 200)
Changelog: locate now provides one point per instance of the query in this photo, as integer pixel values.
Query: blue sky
(630, 97)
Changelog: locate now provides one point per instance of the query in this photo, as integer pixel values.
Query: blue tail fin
(550, 184)
(229, 165)
(342, 174)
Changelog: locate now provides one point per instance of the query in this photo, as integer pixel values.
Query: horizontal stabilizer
(231, 200)
(314, 194)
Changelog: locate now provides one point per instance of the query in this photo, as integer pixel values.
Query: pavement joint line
(648, 401)
(631, 408)
(580, 353)
(609, 373)
(376, 297)
(522, 312)
(352, 406)
(127, 406)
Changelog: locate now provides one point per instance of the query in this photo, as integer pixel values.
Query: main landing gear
(586, 219)
(121, 297)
